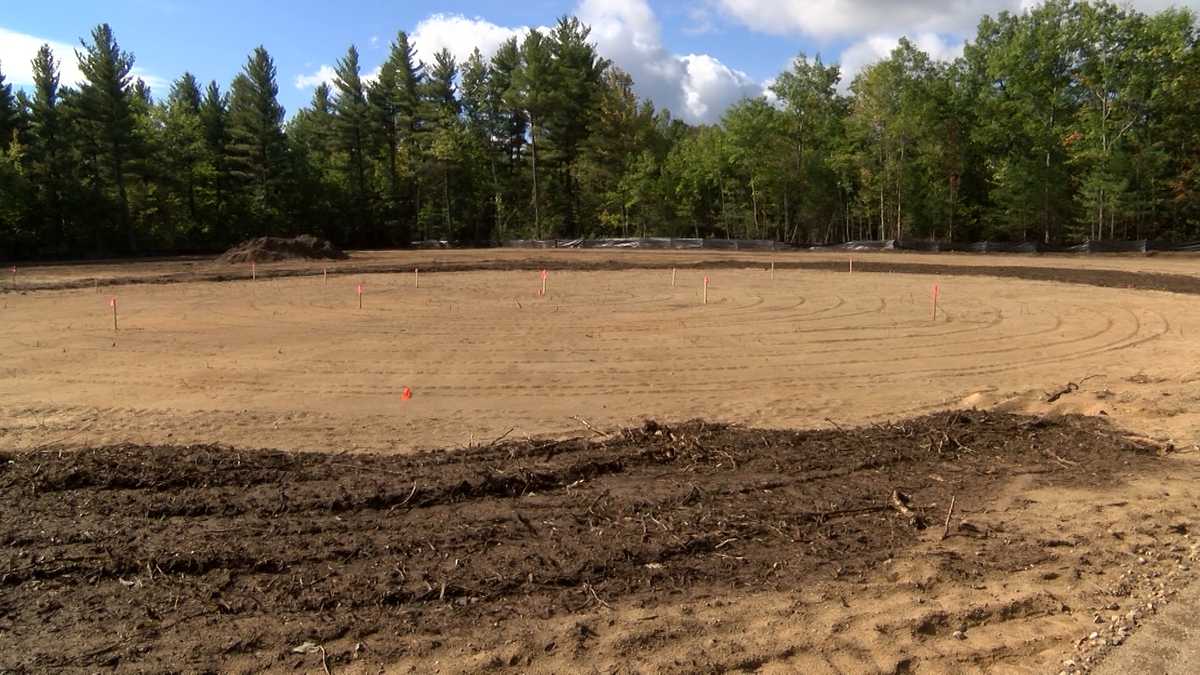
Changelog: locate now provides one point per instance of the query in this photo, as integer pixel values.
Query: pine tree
(577, 73)
(8, 111)
(214, 124)
(310, 136)
(184, 147)
(532, 91)
(441, 126)
(48, 152)
(352, 122)
(257, 149)
(106, 115)
(393, 101)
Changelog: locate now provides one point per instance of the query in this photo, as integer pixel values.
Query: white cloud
(460, 36)
(695, 87)
(18, 49)
(876, 48)
(699, 21)
(323, 75)
(454, 32)
(856, 18)
(709, 87)
(326, 75)
(852, 18)
(873, 27)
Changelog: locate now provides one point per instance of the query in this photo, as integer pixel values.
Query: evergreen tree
(443, 129)
(311, 139)
(106, 117)
(8, 111)
(393, 101)
(256, 149)
(214, 124)
(532, 91)
(576, 89)
(352, 122)
(184, 150)
(48, 166)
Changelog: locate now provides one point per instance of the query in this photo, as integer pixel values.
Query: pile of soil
(274, 249)
(209, 558)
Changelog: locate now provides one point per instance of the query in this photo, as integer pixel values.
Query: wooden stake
(772, 270)
(851, 264)
(360, 296)
(325, 276)
(253, 271)
(933, 310)
(544, 276)
(946, 530)
(672, 277)
(416, 277)
(706, 289)
(113, 302)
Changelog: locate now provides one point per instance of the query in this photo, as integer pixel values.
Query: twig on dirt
(374, 469)
(731, 459)
(900, 503)
(844, 512)
(835, 424)
(324, 660)
(1062, 460)
(592, 506)
(1071, 388)
(60, 441)
(406, 499)
(781, 533)
(502, 437)
(525, 521)
(727, 541)
(596, 597)
(588, 425)
(949, 514)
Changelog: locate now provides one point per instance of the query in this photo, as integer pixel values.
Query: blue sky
(695, 58)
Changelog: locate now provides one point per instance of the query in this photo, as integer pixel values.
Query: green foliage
(256, 148)
(1069, 120)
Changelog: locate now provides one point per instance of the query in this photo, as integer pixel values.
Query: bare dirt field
(145, 531)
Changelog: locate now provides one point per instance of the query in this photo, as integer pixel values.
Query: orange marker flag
(406, 394)
(360, 296)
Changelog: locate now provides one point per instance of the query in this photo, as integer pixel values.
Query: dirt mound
(203, 557)
(273, 249)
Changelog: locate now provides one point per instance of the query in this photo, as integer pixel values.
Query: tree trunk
(446, 196)
(537, 218)
(123, 200)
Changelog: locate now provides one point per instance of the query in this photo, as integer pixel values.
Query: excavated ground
(209, 558)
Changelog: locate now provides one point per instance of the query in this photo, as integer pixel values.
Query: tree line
(1073, 120)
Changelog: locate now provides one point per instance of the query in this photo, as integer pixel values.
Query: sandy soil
(290, 362)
